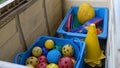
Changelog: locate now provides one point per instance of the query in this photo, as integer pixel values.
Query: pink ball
(42, 59)
(65, 62)
(42, 65)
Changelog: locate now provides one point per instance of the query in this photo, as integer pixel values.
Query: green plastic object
(76, 22)
(58, 47)
(2, 1)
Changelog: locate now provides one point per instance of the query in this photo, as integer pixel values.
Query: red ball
(42, 65)
(65, 62)
(42, 59)
(99, 31)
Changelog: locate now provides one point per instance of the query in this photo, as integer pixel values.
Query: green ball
(58, 47)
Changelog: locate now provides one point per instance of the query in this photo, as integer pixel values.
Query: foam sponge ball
(53, 56)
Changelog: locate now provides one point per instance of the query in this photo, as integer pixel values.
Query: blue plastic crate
(78, 45)
(100, 12)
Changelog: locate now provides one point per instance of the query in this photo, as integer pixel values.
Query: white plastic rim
(117, 33)
(6, 3)
(4, 64)
(113, 54)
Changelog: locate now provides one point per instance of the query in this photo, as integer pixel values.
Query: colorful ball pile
(52, 55)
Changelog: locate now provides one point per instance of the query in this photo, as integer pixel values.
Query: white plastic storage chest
(34, 24)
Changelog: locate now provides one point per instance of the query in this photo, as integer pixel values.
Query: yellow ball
(68, 50)
(49, 44)
(85, 13)
(52, 65)
(37, 51)
(73, 60)
(32, 61)
(29, 65)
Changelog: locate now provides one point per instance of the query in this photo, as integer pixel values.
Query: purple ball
(44, 51)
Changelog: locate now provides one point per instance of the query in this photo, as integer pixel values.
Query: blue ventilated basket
(99, 12)
(79, 47)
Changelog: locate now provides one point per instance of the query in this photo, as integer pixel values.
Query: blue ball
(53, 56)
(44, 51)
